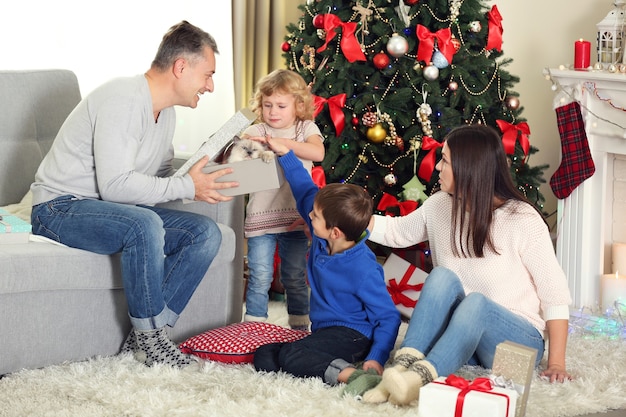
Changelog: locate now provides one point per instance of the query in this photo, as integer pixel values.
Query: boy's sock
(404, 387)
(130, 344)
(154, 346)
(361, 381)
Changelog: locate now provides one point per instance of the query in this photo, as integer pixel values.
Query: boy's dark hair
(183, 40)
(347, 207)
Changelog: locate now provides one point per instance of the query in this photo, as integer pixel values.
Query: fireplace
(594, 215)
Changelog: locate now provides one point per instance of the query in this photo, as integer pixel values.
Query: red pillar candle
(582, 54)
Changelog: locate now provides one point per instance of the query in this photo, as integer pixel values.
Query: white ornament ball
(439, 60)
(390, 179)
(397, 46)
(453, 86)
(475, 26)
(431, 73)
(612, 68)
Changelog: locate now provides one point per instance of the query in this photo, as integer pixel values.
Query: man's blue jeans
(292, 249)
(453, 329)
(165, 253)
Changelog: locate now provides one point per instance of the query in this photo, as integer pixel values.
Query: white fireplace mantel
(584, 218)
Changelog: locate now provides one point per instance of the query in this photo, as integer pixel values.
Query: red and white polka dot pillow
(236, 343)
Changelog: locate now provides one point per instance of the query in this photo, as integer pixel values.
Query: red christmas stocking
(576, 162)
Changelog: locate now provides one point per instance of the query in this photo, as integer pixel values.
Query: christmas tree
(392, 77)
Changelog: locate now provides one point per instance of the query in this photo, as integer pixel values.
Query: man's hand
(206, 185)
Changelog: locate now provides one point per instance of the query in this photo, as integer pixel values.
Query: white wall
(102, 40)
(539, 34)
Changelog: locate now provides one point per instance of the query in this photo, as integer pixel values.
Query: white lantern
(611, 35)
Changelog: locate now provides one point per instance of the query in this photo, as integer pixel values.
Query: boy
(353, 317)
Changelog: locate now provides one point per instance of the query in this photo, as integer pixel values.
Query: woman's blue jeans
(453, 329)
(292, 249)
(164, 253)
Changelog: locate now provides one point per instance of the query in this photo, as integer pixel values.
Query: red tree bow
(396, 289)
(319, 178)
(388, 201)
(335, 107)
(349, 44)
(427, 43)
(494, 38)
(510, 133)
(428, 163)
(479, 384)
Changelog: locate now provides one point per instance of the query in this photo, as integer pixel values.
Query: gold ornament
(376, 133)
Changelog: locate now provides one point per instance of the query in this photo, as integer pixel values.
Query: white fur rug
(119, 386)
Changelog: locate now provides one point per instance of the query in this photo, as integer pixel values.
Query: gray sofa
(61, 304)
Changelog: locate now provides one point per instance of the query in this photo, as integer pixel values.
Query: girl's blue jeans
(164, 253)
(453, 329)
(292, 250)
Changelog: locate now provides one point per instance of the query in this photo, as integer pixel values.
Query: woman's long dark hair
(481, 172)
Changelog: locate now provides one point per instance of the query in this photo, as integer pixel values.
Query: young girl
(285, 108)
(496, 276)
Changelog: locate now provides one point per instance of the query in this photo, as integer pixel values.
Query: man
(111, 162)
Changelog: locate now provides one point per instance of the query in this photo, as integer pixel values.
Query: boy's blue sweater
(347, 289)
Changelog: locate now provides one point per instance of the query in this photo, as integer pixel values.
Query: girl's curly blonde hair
(284, 82)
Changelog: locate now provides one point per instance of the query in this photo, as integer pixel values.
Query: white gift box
(404, 282)
(437, 399)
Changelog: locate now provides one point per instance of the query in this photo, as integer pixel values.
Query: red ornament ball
(318, 21)
(285, 46)
(380, 60)
(411, 2)
(355, 121)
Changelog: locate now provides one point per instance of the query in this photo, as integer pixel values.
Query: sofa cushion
(34, 105)
(40, 266)
(236, 343)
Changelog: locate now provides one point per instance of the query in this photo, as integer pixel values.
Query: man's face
(197, 78)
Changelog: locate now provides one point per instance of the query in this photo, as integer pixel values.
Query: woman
(496, 276)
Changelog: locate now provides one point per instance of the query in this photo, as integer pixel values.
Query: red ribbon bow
(319, 178)
(335, 106)
(479, 384)
(428, 163)
(510, 133)
(388, 201)
(396, 289)
(427, 43)
(349, 44)
(494, 38)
